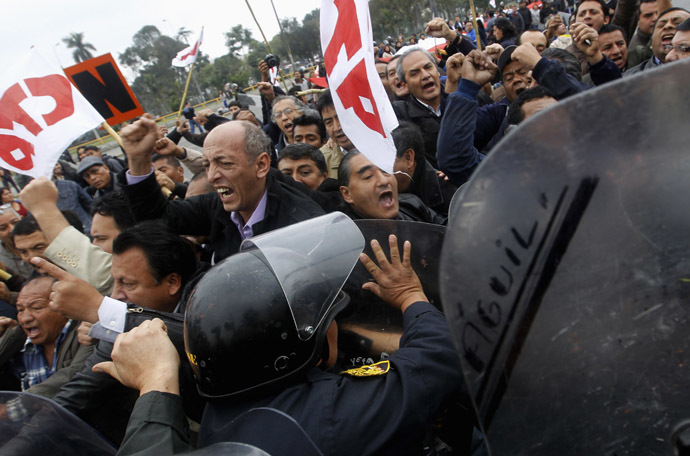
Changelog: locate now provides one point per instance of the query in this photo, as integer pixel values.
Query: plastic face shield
(311, 260)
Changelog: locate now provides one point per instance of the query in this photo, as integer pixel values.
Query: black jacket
(410, 208)
(430, 124)
(204, 215)
(383, 414)
(434, 192)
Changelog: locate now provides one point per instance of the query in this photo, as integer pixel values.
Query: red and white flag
(188, 55)
(41, 113)
(363, 108)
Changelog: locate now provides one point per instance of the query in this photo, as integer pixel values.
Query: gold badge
(379, 368)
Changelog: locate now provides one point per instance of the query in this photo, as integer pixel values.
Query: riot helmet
(259, 318)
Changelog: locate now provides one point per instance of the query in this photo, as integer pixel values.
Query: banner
(101, 82)
(360, 100)
(41, 113)
(187, 56)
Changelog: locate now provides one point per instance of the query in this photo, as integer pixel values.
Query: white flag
(187, 56)
(363, 108)
(41, 113)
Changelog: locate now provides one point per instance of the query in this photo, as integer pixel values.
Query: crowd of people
(104, 260)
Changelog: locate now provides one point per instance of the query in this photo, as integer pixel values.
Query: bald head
(251, 136)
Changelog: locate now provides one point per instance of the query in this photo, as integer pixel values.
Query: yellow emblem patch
(370, 370)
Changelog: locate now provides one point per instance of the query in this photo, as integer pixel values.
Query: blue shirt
(32, 366)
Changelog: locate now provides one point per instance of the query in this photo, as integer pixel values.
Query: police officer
(272, 342)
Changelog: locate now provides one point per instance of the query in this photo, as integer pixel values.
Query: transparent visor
(311, 260)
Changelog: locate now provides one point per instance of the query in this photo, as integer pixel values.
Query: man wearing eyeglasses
(285, 110)
(680, 45)
(663, 37)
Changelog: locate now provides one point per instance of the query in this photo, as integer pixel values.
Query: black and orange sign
(101, 82)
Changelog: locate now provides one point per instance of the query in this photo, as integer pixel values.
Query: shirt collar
(437, 111)
(258, 215)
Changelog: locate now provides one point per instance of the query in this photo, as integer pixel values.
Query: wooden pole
(474, 23)
(184, 95)
(112, 133)
(268, 46)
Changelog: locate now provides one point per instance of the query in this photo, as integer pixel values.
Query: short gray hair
(256, 141)
(399, 66)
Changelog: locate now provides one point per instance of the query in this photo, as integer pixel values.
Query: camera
(272, 60)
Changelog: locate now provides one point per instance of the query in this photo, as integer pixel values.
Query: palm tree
(81, 49)
(182, 34)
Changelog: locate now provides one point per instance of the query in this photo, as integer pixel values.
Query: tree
(183, 34)
(158, 86)
(81, 50)
(238, 38)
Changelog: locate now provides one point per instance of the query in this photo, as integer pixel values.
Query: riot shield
(35, 426)
(370, 329)
(566, 274)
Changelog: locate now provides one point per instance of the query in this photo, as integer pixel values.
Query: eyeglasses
(682, 48)
(287, 112)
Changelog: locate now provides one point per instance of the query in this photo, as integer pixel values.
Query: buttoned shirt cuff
(112, 316)
(131, 180)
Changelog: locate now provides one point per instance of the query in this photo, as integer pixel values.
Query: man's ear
(409, 158)
(345, 192)
(607, 19)
(174, 283)
(263, 165)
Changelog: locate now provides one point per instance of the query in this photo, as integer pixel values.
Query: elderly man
(42, 351)
(285, 109)
(662, 38)
(248, 201)
(418, 70)
(100, 178)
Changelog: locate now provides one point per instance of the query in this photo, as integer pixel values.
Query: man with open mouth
(424, 107)
(662, 37)
(371, 193)
(248, 201)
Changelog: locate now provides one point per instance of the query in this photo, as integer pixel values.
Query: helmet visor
(311, 260)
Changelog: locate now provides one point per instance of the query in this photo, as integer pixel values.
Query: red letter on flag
(354, 87)
(346, 32)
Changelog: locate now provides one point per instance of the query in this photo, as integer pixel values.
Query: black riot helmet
(259, 318)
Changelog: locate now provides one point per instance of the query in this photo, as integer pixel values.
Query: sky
(111, 30)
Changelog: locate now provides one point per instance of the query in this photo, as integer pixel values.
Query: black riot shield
(35, 426)
(566, 275)
(370, 329)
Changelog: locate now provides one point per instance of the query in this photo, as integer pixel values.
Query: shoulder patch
(370, 370)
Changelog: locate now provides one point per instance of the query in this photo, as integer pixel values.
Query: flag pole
(268, 46)
(112, 133)
(184, 95)
(474, 23)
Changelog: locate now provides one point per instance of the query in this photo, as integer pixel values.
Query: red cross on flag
(41, 113)
(363, 108)
(188, 55)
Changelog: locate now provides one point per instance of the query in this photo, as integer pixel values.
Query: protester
(40, 348)
(681, 43)
(190, 115)
(338, 144)
(662, 37)
(247, 201)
